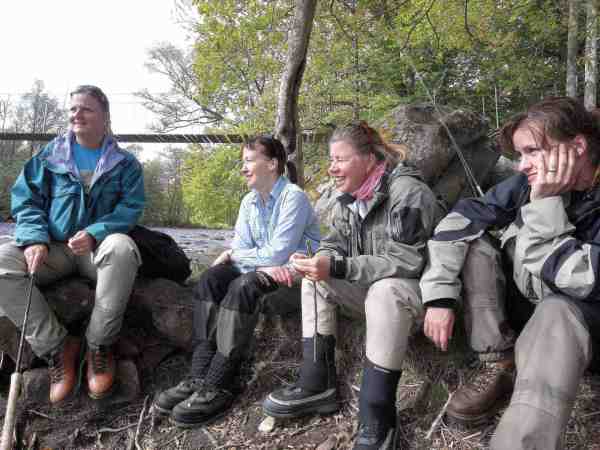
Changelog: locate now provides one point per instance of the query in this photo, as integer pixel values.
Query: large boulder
(324, 204)
(504, 168)
(421, 128)
(163, 308)
(157, 307)
(481, 157)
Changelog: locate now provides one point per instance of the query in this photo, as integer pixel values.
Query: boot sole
(469, 421)
(161, 411)
(165, 411)
(201, 423)
(472, 421)
(279, 411)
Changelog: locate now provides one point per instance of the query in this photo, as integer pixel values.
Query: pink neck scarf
(365, 192)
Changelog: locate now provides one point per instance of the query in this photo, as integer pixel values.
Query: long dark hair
(272, 148)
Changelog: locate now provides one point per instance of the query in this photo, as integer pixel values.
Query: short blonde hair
(96, 92)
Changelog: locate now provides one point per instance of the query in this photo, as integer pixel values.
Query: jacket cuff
(337, 267)
(26, 243)
(97, 231)
(29, 244)
(432, 291)
(448, 303)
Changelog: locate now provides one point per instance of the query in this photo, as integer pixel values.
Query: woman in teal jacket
(73, 203)
(50, 201)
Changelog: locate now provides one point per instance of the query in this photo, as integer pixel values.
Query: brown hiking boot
(63, 367)
(485, 394)
(101, 369)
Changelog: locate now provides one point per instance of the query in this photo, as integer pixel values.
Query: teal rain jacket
(49, 201)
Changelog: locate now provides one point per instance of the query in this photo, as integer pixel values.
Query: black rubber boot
(201, 358)
(315, 390)
(212, 400)
(377, 415)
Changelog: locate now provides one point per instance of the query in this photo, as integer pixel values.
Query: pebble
(267, 425)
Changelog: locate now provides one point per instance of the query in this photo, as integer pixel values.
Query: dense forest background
(364, 58)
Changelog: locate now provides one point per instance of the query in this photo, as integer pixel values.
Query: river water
(201, 245)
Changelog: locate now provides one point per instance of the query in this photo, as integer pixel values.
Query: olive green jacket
(391, 239)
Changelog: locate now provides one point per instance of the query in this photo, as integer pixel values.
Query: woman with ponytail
(370, 262)
(275, 220)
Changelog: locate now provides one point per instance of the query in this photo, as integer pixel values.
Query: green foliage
(238, 57)
(154, 211)
(35, 111)
(368, 56)
(9, 170)
(213, 187)
(163, 187)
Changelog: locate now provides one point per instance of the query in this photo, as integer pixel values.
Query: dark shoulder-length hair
(558, 118)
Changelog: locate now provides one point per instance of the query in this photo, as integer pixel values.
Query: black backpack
(161, 256)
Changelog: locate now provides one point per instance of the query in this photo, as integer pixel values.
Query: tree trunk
(286, 127)
(591, 54)
(571, 89)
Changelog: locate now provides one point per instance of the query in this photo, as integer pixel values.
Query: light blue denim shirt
(267, 234)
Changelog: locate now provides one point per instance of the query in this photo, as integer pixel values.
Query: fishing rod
(471, 180)
(473, 185)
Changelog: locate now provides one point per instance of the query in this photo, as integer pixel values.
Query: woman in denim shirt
(275, 220)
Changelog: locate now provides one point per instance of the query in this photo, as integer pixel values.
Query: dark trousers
(227, 305)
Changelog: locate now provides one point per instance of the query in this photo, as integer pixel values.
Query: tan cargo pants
(392, 307)
(551, 352)
(113, 265)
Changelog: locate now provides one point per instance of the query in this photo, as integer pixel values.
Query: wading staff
(310, 255)
(16, 380)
